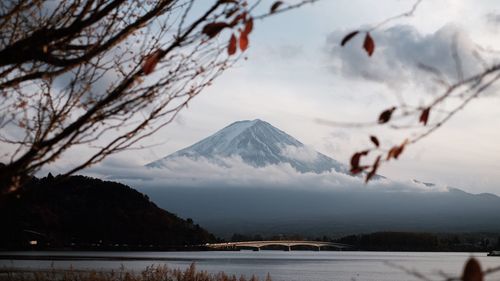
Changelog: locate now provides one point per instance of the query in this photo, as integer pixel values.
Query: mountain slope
(80, 211)
(259, 144)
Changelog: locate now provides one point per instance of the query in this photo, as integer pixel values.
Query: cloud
(493, 18)
(304, 153)
(400, 52)
(200, 173)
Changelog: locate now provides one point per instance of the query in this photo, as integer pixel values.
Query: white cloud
(186, 172)
(304, 153)
(399, 52)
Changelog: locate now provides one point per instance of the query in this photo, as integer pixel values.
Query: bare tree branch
(105, 74)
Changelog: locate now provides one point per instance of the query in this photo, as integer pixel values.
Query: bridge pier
(288, 249)
(318, 248)
(256, 249)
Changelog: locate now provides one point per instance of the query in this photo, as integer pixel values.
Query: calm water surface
(289, 266)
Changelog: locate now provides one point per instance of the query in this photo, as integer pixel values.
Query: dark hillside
(82, 212)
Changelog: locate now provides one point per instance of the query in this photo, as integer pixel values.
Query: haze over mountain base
(273, 211)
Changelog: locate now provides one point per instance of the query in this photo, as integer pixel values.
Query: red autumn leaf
(348, 37)
(248, 26)
(395, 151)
(472, 271)
(355, 168)
(374, 169)
(369, 44)
(392, 152)
(275, 6)
(231, 48)
(243, 42)
(424, 116)
(213, 28)
(375, 141)
(402, 146)
(150, 62)
(385, 116)
(356, 157)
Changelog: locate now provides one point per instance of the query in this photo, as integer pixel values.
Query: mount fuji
(298, 194)
(258, 144)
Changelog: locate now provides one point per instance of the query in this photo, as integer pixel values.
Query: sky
(296, 74)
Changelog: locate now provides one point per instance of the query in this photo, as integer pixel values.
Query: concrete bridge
(286, 244)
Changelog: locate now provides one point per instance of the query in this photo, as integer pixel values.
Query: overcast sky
(296, 73)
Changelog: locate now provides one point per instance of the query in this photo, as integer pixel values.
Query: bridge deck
(286, 243)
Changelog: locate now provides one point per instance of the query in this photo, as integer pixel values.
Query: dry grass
(153, 273)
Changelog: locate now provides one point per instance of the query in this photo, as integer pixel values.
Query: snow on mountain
(258, 144)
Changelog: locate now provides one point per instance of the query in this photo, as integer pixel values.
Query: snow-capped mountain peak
(259, 144)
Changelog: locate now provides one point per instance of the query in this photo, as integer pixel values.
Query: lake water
(289, 266)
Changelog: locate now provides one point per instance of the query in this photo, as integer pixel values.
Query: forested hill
(82, 212)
